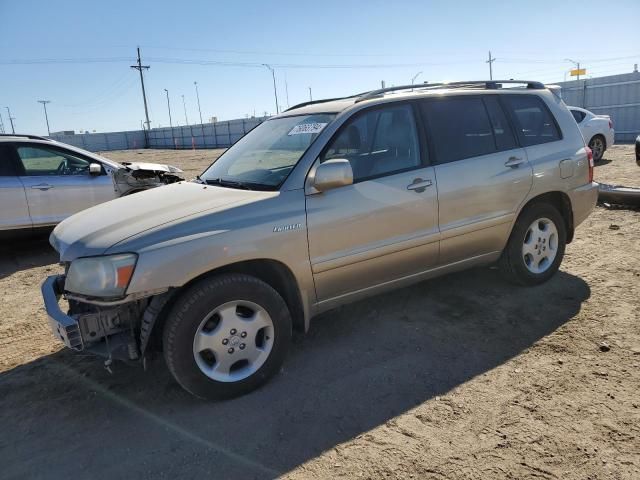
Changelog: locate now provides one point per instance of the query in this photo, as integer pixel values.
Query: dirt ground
(459, 377)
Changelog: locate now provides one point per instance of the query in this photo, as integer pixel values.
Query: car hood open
(95, 230)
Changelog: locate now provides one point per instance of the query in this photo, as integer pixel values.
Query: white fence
(208, 135)
(615, 95)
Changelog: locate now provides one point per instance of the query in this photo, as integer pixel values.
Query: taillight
(590, 159)
(610, 124)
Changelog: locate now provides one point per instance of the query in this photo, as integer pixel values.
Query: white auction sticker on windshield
(315, 127)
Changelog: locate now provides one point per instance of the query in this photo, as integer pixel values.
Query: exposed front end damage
(137, 176)
(115, 330)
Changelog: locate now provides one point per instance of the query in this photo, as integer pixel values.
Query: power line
(38, 61)
(256, 64)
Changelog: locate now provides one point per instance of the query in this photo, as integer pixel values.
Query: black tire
(512, 263)
(192, 307)
(598, 145)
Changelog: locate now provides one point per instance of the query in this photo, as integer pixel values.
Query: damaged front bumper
(64, 327)
(117, 331)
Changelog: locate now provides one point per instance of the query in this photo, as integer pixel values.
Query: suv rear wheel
(226, 336)
(536, 246)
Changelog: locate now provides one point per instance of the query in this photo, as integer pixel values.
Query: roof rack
(313, 102)
(484, 84)
(32, 137)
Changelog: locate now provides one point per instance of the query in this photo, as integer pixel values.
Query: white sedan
(597, 130)
(43, 181)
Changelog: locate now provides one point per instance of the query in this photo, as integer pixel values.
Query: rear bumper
(610, 137)
(583, 200)
(64, 327)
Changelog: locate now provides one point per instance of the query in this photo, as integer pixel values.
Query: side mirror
(95, 169)
(332, 174)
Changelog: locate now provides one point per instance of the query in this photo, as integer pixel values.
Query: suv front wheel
(536, 246)
(226, 335)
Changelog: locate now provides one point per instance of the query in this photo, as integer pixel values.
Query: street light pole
(413, 80)
(275, 91)
(198, 97)
(184, 105)
(46, 117)
(169, 108)
(577, 65)
(310, 97)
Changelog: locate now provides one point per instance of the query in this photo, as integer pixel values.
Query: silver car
(329, 202)
(42, 181)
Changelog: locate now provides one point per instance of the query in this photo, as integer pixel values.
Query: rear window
(533, 120)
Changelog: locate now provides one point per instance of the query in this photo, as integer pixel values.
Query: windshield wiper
(236, 184)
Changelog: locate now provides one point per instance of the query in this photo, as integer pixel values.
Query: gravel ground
(459, 377)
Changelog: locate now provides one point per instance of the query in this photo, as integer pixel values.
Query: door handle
(42, 186)
(513, 162)
(418, 185)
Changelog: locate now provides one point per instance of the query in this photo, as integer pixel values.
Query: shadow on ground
(25, 252)
(359, 366)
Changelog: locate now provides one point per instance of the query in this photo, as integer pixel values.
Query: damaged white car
(42, 181)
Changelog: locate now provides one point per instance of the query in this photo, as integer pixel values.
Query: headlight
(106, 276)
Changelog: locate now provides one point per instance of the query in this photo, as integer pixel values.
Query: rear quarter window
(533, 121)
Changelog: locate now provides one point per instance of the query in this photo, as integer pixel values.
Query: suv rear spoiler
(556, 90)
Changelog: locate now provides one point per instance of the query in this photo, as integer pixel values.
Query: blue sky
(88, 47)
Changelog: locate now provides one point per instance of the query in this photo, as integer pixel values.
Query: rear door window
(502, 131)
(460, 128)
(533, 120)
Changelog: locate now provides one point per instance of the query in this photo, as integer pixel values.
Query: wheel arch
(561, 202)
(604, 139)
(273, 272)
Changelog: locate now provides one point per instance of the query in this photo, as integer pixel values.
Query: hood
(93, 231)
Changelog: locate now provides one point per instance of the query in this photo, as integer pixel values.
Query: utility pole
(184, 105)
(490, 62)
(141, 67)
(46, 117)
(275, 91)
(198, 97)
(310, 97)
(11, 119)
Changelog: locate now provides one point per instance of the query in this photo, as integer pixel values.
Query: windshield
(265, 156)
